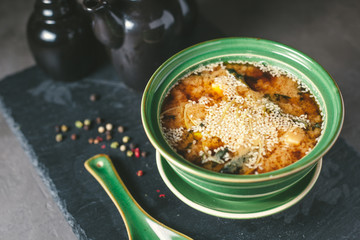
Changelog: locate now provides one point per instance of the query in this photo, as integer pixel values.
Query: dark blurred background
(326, 30)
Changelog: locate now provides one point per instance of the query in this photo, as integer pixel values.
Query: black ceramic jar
(141, 34)
(61, 39)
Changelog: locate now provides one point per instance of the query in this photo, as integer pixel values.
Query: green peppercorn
(125, 139)
(79, 124)
(114, 145)
(129, 153)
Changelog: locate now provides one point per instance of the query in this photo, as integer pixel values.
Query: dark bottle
(61, 39)
(141, 34)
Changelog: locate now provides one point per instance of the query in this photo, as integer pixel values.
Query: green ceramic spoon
(139, 224)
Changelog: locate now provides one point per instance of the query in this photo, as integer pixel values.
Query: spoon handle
(139, 224)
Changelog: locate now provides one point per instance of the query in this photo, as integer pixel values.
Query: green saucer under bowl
(236, 209)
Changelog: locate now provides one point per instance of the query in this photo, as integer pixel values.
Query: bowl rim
(215, 176)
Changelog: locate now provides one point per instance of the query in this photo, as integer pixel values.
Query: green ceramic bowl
(238, 187)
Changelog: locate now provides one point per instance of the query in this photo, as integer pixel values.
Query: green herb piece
(235, 165)
(316, 125)
(303, 122)
(220, 154)
(302, 89)
(169, 117)
(202, 125)
(301, 94)
(214, 164)
(280, 96)
(236, 74)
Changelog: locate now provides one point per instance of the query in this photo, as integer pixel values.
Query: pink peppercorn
(137, 152)
(140, 173)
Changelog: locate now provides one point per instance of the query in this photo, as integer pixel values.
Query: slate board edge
(41, 171)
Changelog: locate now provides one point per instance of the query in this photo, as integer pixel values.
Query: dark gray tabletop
(328, 31)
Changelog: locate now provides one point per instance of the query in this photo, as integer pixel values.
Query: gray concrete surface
(27, 209)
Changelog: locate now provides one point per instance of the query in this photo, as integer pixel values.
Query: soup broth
(241, 118)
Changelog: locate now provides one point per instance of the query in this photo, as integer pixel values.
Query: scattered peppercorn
(59, 137)
(103, 146)
(87, 122)
(101, 129)
(120, 129)
(79, 124)
(129, 153)
(158, 190)
(123, 148)
(109, 126)
(86, 127)
(100, 139)
(98, 120)
(162, 195)
(73, 137)
(94, 97)
(96, 141)
(114, 145)
(143, 154)
(57, 128)
(108, 137)
(91, 140)
(64, 128)
(125, 139)
(137, 152)
(132, 146)
(140, 173)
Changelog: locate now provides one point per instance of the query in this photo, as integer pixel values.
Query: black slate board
(33, 104)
